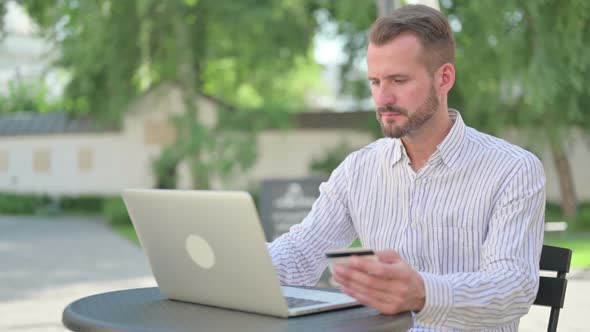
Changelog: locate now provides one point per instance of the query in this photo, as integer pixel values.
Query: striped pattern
(471, 221)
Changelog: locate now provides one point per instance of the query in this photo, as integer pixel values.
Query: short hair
(428, 24)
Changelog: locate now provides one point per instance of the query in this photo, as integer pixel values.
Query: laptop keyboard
(295, 302)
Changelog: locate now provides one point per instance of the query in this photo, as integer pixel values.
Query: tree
(526, 64)
(27, 96)
(251, 56)
(520, 64)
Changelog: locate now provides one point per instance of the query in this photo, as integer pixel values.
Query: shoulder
(374, 151)
(513, 157)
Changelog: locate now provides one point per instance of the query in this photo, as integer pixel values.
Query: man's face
(403, 90)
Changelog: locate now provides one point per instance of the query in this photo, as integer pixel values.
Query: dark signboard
(286, 202)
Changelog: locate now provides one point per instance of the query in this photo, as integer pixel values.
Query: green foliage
(330, 160)
(112, 208)
(2, 13)
(128, 232)
(115, 212)
(372, 126)
(249, 54)
(81, 204)
(581, 221)
(11, 203)
(526, 65)
(578, 242)
(553, 212)
(16, 203)
(254, 51)
(356, 244)
(28, 97)
(350, 21)
(164, 168)
(95, 47)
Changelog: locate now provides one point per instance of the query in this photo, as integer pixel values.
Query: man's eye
(373, 83)
(401, 81)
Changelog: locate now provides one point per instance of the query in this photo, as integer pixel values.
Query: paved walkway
(46, 263)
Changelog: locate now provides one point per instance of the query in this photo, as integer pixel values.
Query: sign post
(286, 202)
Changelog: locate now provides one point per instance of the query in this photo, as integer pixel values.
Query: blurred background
(101, 95)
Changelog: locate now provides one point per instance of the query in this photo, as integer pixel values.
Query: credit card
(345, 252)
(342, 255)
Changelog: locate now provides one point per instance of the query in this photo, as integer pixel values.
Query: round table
(145, 309)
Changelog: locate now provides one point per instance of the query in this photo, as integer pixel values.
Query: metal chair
(552, 289)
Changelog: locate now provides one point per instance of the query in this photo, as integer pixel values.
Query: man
(456, 216)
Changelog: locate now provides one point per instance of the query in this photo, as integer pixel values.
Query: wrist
(421, 294)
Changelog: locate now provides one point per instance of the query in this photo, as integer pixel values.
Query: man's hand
(388, 284)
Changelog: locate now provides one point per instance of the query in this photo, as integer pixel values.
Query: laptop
(208, 247)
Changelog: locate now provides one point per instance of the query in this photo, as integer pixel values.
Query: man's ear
(445, 78)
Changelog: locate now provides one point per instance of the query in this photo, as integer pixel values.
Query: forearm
(478, 300)
(294, 265)
(298, 256)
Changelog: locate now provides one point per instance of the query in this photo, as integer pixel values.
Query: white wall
(578, 151)
(284, 154)
(123, 160)
(108, 174)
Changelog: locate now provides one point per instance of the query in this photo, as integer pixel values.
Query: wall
(124, 159)
(61, 164)
(578, 147)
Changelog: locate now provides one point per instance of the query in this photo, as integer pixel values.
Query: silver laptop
(208, 247)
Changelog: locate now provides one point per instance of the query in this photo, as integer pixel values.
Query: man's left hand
(388, 284)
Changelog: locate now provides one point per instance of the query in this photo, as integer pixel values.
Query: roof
(32, 123)
(334, 120)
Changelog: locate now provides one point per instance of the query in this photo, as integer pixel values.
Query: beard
(423, 113)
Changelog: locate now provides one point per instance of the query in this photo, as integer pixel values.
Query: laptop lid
(208, 247)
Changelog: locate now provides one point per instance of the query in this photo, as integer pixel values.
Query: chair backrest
(552, 289)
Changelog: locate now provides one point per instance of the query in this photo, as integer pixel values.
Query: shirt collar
(398, 151)
(449, 149)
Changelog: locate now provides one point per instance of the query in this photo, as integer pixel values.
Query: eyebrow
(392, 76)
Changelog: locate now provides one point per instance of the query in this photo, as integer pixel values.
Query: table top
(144, 309)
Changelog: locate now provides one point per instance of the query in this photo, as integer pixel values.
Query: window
(85, 159)
(42, 161)
(159, 132)
(3, 161)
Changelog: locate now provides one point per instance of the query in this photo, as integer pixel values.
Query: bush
(330, 160)
(582, 219)
(553, 212)
(22, 203)
(85, 204)
(115, 212)
(580, 222)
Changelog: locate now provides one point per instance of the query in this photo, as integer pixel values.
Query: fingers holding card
(342, 255)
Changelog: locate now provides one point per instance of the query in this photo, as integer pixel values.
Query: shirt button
(413, 226)
(418, 181)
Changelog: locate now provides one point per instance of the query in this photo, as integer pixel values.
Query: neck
(422, 143)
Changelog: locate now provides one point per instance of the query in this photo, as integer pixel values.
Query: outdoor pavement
(48, 262)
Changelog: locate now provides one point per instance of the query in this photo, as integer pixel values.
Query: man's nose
(383, 96)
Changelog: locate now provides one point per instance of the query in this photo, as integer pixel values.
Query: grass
(127, 232)
(578, 242)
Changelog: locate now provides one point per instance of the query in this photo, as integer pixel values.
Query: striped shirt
(470, 222)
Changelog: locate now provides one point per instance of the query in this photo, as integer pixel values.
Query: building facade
(56, 155)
